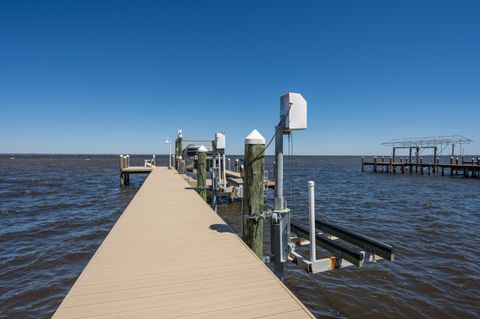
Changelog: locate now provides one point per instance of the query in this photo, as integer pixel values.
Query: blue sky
(119, 77)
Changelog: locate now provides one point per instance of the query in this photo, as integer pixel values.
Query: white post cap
(311, 183)
(254, 138)
(202, 149)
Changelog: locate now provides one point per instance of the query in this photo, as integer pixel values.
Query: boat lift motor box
(294, 107)
(220, 141)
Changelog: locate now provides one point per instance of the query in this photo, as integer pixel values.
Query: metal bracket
(256, 217)
(277, 213)
(261, 216)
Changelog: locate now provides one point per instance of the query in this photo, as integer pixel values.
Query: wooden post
(182, 168)
(237, 165)
(456, 167)
(393, 154)
(434, 158)
(375, 164)
(253, 201)
(421, 164)
(178, 147)
(127, 176)
(476, 170)
(202, 172)
(383, 163)
(229, 164)
(363, 165)
(390, 166)
(451, 166)
(122, 177)
(410, 159)
(417, 153)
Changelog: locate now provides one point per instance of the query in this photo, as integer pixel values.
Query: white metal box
(220, 141)
(294, 107)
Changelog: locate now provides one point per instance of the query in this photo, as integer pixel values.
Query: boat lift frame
(353, 249)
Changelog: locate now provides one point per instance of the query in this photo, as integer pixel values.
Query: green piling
(202, 172)
(253, 192)
(178, 148)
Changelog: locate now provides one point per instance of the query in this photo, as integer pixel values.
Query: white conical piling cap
(254, 138)
(202, 149)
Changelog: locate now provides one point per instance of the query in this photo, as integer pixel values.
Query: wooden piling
(375, 164)
(122, 175)
(451, 166)
(127, 176)
(410, 159)
(363, 165)
(202, 172)
(178, 150)
(417, 153)
(253, 200)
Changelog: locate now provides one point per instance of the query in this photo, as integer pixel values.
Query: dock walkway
(168, 256)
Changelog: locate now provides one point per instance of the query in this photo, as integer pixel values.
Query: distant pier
(436, 164)
(454, 168)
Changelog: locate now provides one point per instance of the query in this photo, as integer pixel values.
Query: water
(56, 210)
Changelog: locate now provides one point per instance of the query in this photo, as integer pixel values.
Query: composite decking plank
(169, 255)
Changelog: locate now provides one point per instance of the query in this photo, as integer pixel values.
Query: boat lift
(348, 248)
(218, 169)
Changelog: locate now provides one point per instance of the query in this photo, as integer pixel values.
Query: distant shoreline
(230, 155)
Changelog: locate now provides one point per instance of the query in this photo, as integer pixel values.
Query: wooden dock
(168, 256)
(136, 170)
(470, 169)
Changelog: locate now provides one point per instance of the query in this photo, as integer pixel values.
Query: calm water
(56, 210)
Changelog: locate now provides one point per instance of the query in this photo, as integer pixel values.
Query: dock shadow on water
(56, 210)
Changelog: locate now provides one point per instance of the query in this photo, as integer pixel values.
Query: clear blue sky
(120, 76)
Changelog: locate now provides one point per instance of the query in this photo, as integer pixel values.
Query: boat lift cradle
(349, 248)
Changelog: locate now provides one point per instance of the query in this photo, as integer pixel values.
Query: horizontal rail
(352, 255)
(369, 244)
